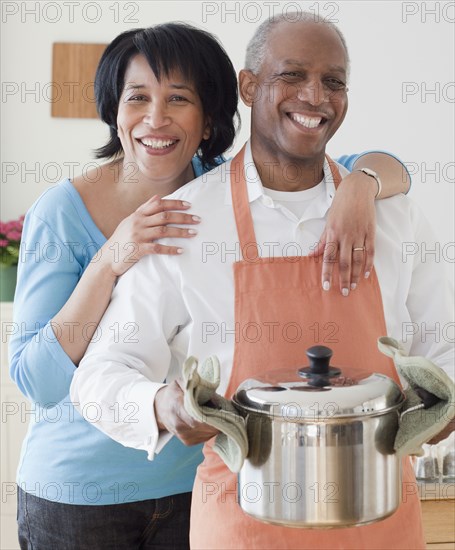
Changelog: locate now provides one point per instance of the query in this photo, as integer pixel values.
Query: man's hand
(429, 399)
(444, 434)
(172, 416)
(351, 224)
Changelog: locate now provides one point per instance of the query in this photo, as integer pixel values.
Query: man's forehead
(288, 40)
(303, 31)
(301, 26)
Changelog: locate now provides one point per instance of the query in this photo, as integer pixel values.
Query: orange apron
(284, 295)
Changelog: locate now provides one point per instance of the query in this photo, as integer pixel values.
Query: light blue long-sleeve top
(64, 458)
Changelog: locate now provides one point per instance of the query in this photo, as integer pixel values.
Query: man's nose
(312, 92)
(157, 115)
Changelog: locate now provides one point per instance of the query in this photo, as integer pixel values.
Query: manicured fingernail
(367, 274)
(353, 286)
(326, 285)
(184, 203)
(192, 231)
(345, 291)
(196, 218)
(179, 250)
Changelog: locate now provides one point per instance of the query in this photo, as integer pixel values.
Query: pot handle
(428, 400)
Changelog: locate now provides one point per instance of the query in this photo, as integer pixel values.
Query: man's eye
(291, 74)
(334, 84)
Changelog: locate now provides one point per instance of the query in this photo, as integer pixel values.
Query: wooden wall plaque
(73, 72)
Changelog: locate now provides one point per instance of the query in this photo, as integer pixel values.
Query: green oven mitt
(430, 399)
(203, 403)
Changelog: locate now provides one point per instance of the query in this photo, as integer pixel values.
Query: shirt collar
(253, 181)
(256, 189)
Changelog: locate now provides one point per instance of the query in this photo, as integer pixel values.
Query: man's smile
(307, 121)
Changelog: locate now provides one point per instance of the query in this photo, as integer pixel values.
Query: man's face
(298, 98)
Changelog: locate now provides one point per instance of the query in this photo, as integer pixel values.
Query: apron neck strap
(242, 212)
(241, 204)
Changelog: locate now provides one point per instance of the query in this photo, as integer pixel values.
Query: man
(268, 203)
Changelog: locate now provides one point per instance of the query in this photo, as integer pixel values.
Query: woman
(167, 93)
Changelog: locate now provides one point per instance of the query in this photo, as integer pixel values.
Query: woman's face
(160, 125)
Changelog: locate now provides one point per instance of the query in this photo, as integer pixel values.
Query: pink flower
(11, 232)
(10, 236)
(13, 235)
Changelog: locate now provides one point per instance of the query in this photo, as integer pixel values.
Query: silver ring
(362, 248)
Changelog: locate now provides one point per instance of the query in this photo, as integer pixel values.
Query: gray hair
(257, 46)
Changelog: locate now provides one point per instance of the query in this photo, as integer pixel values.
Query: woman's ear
(207, 129)
(248, 87)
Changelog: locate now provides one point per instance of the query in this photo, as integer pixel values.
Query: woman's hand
(135, 236)
(351, 224)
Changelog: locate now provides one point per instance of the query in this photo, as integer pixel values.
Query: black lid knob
(319, 358)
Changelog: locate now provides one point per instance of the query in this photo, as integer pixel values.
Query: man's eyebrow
(303, 65)
(293, 62)
(337, 69)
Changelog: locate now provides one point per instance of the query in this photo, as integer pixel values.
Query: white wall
(400, 51)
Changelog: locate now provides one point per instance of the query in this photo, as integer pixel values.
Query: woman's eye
(137, 98)
(178, 99)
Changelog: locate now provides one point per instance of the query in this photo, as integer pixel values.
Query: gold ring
(362, 248)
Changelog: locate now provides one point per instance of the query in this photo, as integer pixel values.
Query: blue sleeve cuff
(348, 161)
(46, 380)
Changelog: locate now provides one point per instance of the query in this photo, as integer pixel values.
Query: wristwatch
(374, 175)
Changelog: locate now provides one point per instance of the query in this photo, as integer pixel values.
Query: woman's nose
(157, 115)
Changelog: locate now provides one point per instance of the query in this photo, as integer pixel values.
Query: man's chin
(305, 153)
(304, 146)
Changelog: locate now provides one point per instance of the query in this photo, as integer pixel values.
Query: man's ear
(248, 87)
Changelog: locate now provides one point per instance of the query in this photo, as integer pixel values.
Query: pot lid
(319, 391)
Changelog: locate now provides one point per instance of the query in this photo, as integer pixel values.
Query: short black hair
(199, 57)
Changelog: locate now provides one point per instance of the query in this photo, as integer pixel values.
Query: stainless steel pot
(321, 446)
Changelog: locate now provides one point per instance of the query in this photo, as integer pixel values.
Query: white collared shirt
(166, 308)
